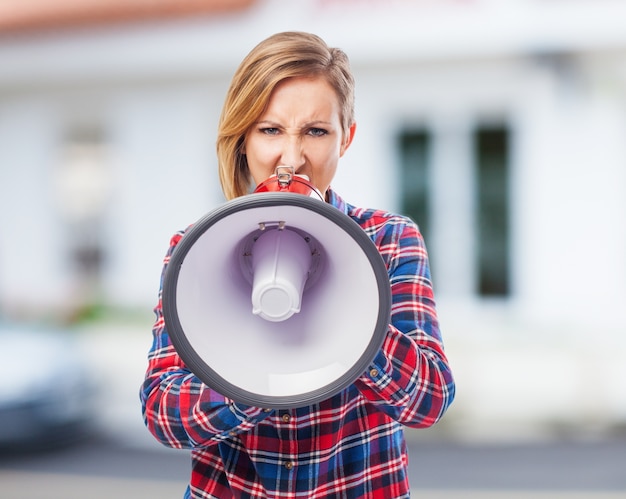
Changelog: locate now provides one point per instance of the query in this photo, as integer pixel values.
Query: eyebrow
(305, 125)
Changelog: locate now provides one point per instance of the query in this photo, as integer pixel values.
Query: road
(100, 468)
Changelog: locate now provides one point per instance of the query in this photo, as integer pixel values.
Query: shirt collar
(335, 200)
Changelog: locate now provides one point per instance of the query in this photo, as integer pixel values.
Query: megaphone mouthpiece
(286, 180)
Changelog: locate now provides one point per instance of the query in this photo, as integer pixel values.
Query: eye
(269, 131)
(317, 132)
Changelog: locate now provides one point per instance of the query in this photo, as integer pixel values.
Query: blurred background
(498, 125)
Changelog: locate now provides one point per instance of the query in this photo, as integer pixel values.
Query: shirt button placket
(290, 450)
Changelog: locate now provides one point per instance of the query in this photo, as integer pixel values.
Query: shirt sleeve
(410, 378)
(178, 409)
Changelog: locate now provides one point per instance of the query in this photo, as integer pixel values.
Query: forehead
(303, 95)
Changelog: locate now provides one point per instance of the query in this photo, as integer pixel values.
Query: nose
(293, 153)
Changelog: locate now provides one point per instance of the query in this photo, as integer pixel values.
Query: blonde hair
(281, 56)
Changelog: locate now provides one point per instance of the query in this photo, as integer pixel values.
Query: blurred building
(498, 125)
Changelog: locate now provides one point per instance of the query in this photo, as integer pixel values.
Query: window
(83, 185)
(415, 189)
(492, 152)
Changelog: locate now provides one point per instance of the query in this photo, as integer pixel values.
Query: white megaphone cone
(277, 299)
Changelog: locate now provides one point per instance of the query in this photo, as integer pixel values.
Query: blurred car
(46, 387)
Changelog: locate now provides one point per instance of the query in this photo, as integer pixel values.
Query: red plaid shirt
(349, 446)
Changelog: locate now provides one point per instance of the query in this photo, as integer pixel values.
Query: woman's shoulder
(368, 216)
(380, 219)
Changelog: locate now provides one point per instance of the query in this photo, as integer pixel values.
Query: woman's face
(301, 127)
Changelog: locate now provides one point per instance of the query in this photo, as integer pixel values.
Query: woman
(291, 102)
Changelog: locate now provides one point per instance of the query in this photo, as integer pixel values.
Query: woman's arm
(178, 409)
(410, 378)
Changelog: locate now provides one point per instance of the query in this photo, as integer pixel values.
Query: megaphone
(277, 299)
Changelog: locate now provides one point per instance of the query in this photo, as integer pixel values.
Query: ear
(347, 140)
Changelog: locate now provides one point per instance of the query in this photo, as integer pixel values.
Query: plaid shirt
(349, 446)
